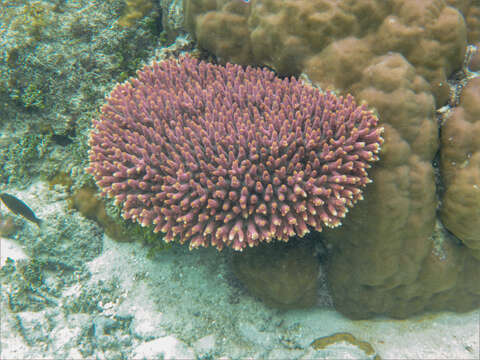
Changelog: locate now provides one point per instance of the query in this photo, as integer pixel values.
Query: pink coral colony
(227, 156)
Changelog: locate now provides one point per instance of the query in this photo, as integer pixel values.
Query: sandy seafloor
(185, 304)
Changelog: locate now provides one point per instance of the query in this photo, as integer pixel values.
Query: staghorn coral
(230, 156)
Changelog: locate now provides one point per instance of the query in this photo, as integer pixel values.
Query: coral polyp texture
(393, 254)
(231, 156)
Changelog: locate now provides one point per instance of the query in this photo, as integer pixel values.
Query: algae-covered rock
(283, 276)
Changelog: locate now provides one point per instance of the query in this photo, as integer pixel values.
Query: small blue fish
(245, 1)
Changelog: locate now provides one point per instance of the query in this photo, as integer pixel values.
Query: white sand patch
(10, 249)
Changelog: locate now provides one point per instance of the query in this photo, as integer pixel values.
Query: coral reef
(134, 11)
(58, 60)
(296, 36)
(69, 291)
(84, 200)
(391, 256)
(460, 163)
(168, 149)
(7, 225)
(172, 19)
(284, 276)
(471, 12)
(474, 64)
(57, 252)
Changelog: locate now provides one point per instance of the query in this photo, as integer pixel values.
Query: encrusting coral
(227, 156)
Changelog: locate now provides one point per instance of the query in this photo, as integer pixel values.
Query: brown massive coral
(461, 169)
(301, 35)
(393, 255)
